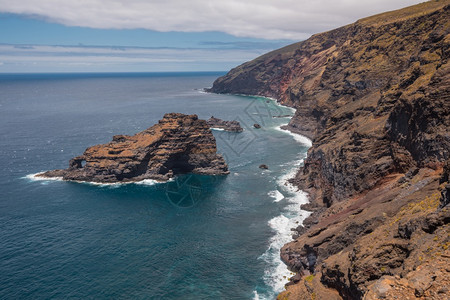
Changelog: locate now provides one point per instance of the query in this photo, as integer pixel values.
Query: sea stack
(178, 144)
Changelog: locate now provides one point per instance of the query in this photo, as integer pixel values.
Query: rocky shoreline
(178, 144)
(374, 98)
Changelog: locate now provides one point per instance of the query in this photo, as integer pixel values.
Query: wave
(217, 129)
(150, 182)
(36, 177)
(203, 90)
(276, 195)
(277, 274)
(255, 295)
(297, 137)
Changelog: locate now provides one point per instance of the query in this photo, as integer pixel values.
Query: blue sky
(162, 35)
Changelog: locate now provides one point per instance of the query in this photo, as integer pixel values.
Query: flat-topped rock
(178, 144)
(233, 126)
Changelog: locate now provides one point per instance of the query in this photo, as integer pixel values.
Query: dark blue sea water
(79, 240)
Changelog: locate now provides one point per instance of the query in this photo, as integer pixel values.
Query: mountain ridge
(374, 98)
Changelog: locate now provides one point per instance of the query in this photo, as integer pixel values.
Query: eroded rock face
(374, 98)
(177, 144)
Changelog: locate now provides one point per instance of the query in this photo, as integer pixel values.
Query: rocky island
(374, 96)
(232, 126)
(177, 144)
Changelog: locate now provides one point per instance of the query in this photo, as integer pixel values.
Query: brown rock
(374, 98)
(232, 126)
(373, 95)
(177, 144)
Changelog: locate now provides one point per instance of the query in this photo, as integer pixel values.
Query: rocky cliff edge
(374, 96)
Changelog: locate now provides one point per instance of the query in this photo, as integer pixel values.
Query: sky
(162, 35)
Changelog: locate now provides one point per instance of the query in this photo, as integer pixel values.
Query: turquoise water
(196, 237)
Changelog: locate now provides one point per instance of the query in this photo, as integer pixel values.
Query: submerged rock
(263, 166)
(233, 126)
(177, 144)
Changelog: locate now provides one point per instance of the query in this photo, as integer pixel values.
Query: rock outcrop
(232, 126)
(177, 144)
(374, 96)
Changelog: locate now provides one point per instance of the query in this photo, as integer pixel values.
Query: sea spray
(276, 195)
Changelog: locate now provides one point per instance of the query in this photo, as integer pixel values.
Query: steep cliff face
(177, 144)
(374, 97)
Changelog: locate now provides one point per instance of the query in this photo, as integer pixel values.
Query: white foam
(35, 177)
(278, 103)
(149, 182)
(297, 137)
(217, 129)
(276, 274)
(102, 184)
(276, 195)
(203, 91)
(255, 295)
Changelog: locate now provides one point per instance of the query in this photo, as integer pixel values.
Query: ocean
(194, 237)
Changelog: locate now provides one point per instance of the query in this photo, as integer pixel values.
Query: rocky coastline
(374, 98)
(178, 144)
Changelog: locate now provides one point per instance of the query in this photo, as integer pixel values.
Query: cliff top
(399, 15)
(403, 14)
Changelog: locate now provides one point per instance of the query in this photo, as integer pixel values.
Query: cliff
(374, 96)
(177, 144)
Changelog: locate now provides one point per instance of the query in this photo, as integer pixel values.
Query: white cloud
(270, 19)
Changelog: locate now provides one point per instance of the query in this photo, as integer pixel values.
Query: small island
(178, 144)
